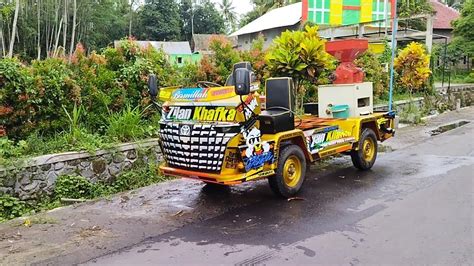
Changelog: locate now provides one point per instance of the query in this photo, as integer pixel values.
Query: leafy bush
(126, 125)
(141, 177)
(224, 57)
(256, 56)
(15, 90)
(374, 72)
(300, 55)
(470, 78)
(11, 207)
(412, 67)
(75, 187)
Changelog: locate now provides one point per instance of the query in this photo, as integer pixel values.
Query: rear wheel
(364, 158)
(290, 173)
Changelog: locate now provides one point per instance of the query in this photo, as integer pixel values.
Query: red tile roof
(444, 15)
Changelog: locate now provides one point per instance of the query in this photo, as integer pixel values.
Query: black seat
(279, 114)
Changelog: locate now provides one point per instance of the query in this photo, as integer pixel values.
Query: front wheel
(364, 157)
(290, 173)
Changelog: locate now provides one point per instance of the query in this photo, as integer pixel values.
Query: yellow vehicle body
(202, 136)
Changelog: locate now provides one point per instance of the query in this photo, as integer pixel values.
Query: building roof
(276, 18)
(168, 47)
(201, 41)
(444, 15)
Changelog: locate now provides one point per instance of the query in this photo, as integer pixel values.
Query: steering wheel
(207, 84)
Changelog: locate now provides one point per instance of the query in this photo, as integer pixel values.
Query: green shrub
(300, 55)
(15, 90)
(469, 78)
(374, 72)
(75, 187)
(412, 67)
(142, 176)
(11, 207)
(126, 125)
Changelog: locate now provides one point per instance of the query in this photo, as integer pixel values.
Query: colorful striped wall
(346, 12)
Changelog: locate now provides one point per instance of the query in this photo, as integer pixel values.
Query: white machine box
(359, 98)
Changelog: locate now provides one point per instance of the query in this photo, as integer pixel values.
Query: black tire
(360, 157)
(290, 153)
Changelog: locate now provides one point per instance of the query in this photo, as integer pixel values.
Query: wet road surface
(414, 207)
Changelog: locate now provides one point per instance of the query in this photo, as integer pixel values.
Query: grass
(397, 97)
(457, 77)
(125, 126)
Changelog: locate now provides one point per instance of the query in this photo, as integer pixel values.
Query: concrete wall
(245, 41)
(38, 175)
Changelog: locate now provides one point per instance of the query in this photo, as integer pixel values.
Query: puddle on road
(445, 128)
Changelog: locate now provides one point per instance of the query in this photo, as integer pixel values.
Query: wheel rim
(368, 150)
(292, 171)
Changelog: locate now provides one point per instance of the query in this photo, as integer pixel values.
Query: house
(336, 18)
(270, 25)
(200, 43)
(443, 17)
(178, 52)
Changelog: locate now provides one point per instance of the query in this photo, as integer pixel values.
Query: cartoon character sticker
(257, 152)
(249, 106)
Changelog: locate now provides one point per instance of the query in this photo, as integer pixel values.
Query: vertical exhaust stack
(346, 51)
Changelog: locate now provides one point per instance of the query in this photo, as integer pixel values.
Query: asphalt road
(414, 207)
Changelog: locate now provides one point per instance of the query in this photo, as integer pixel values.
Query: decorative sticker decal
(200, 113)
(251, 103)
(256, 152)
(330, 136)
(201, 94)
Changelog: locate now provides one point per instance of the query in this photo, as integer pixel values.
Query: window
(180, 60)
(380, 10)
(318, 11)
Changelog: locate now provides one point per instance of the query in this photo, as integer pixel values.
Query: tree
(14, 28)
(160, 20)
(228, 12)
(463, 33)
(300, 55)
(73, 34)
(413, 67)
(206, 18)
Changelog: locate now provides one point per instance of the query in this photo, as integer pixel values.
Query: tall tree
(38, 15)
(14, 28)
(160, 20)
(65, 21)
(229, 14)
(205, 17)
(73, 34)
(463, 33)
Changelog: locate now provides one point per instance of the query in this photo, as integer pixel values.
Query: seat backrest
(279, 93)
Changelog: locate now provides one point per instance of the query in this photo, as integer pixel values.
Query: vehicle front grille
(195, 147)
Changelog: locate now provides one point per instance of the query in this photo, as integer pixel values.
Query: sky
(241, 6)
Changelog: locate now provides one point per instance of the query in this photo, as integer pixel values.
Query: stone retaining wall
(39, 174)
(446, 98)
